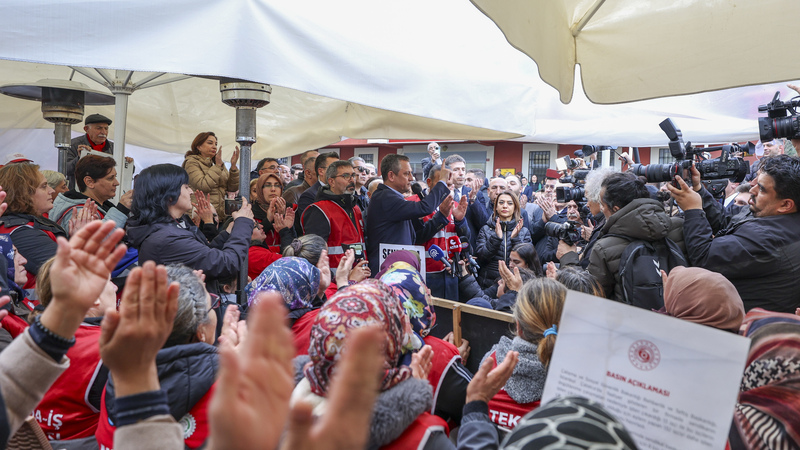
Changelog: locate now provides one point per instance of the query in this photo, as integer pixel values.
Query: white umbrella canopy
(168, 116)
(640, 49)
(375, 69)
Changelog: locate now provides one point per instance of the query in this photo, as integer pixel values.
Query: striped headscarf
(766, 414)
(367, 303)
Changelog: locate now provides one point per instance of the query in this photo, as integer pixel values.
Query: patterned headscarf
(367, 303)
(701, 296)
(766, 413)
(407, 283)
(569, 422)
(295, 278)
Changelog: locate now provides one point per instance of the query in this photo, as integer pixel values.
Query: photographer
(759, 256)
(630, 215)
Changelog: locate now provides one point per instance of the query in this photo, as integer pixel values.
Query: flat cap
(97, 118)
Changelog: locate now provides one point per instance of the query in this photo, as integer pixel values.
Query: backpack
(640, 269)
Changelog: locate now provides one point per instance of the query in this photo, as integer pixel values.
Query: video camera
(776, 125)
(589, 150)
(726, 166)
(564, 193)
(569, 231)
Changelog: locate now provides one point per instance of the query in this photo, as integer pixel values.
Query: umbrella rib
(88, 75)
(587, 17)
(159, 83)
(105, 76)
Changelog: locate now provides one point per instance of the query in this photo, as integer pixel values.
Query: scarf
(407, 284)
(405, 256)
(367, 303)
(703, 297)
(295, 278)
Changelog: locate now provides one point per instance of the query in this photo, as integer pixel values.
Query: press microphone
(437, 254)
(416, 189)
(465, 255)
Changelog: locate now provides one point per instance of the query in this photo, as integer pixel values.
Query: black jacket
(492, 249)
(760, 256)
(185, 372)
(167, 243)
(32, 242)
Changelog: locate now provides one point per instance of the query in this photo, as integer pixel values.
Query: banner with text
(673, 383)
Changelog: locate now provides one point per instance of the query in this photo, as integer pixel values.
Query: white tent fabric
(441, 62)
(639, 49)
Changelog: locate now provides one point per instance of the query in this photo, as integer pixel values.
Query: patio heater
(246, 97)
(62, 104)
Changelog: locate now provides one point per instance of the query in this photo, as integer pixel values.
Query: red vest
(258, 258)
(342, 229)
(445, 355)
(65, 413)
(194, 423)
(505, 412)
(418, 433)
(14, 324)
(30, 285)
(442, 239)
(301, 332)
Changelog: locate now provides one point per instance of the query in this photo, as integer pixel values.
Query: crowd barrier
(480, 326)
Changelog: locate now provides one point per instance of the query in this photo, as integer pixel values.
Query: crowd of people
(125, 326)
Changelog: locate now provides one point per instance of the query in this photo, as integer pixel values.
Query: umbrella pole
(121, 122)
(63, 139)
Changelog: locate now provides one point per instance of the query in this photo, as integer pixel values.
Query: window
(284, 161)
(369, 158)
(540, 162)
(665, 157)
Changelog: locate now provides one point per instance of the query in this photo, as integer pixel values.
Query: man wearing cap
(96, 138)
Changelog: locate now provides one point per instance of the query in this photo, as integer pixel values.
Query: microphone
(437, 254)
(465, 255)
(416, 189)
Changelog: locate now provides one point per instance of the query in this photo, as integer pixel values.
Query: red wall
(383, 150)
(507, 155)
(346, 152)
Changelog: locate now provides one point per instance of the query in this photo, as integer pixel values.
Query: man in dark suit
(390, 218)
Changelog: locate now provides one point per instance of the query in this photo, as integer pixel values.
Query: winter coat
(185, 372)
(34, 242)
(215, 181)
(642, 219)
(492, 249)
(167, 243)
(67, 203)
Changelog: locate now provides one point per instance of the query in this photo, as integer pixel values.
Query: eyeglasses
(215, 299)
(361, 169)
(270, 168)
(346, 176)
(272, 186)
(549, 187)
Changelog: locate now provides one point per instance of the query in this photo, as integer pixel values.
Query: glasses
(549, 187)
(272, 186)
(346, 176)
(361, 169)
(270, 168)
(214, 301)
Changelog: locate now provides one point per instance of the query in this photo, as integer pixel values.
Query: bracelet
(56, 338)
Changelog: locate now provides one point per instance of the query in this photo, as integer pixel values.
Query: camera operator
(760, 255)
(568, 255)
(629, 212)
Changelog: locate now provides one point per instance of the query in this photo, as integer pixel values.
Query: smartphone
(358, 251)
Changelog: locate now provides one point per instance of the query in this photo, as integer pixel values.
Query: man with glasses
(360, 166)
(335, 216)
(309, 196)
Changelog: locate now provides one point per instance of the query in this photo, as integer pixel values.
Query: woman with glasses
(207, 171)
(269, 205)
(161, 230)
(187, 364)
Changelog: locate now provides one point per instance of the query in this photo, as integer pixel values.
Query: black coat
(167, 243)
(760, 256)
(492, 249)
(32, 242)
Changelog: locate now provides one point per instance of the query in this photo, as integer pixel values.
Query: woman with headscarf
(701, 296)
(20, 307)
(448, 377)
(267, 204)
(537, 313)
(766, 413)
(299, 284)
(400, 417)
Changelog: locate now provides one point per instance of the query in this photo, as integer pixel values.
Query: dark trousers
(443, 285)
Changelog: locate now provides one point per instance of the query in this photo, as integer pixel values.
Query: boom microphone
(437, 254)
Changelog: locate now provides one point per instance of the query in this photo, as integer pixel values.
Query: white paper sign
(387, 249)
(673, 383)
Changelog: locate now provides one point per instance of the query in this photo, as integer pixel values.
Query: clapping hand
(489, 379)
(512, 280)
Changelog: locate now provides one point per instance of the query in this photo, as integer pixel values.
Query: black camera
(569, 231)
(564, 194)
(776, 125)
(589, 150)
(231, 206)
(725, 167)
